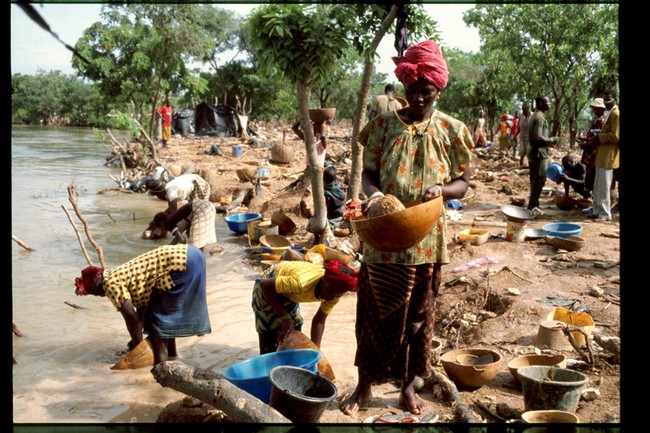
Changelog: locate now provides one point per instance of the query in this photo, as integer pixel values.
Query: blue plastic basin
(553, 171)
(252, 375)
(238, 223)
(563, 230)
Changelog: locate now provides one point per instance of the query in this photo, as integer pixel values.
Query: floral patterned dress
(410, 159)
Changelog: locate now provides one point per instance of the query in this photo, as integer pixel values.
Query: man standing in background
(538, 156)
(524, 141)
(385, 102)
(607, 159)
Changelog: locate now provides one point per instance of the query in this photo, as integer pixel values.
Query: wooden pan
(298, 340)
(140, 356)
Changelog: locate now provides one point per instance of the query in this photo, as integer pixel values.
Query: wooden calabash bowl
(320, 115)
(398, 231)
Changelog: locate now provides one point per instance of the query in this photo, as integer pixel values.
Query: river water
(63, 374)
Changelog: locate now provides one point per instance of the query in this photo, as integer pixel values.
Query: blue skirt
(183, 310)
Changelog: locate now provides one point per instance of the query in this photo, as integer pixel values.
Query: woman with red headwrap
(415, 153)
(278, 292)
(161, 293)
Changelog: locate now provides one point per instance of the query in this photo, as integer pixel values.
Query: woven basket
(282, 153)
(320, 115)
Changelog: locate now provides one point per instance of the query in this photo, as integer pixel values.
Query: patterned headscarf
(342, 275)
(87, 278)
(423, 60)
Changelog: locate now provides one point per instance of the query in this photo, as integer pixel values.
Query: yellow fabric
(166, 132)
(136, 279)
(608, 150)
(298, 280)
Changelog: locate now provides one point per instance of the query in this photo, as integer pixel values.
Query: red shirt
(166, 113)
(514, 132)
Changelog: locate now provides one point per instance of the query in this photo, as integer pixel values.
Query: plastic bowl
(563, 230)
(252, 375)
(238, 223)
(553, 171)
(401, 230)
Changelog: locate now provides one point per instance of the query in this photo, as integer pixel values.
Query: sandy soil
(497, 306)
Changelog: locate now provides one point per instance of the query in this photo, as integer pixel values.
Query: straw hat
(598, 103)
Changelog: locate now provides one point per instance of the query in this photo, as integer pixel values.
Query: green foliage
(54, 98)
(568, 52)
(301, 43)
(140, 52)
(125, 121)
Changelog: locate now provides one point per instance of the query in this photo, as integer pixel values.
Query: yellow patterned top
(136, 279)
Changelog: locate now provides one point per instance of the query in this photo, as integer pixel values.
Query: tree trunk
(216, 391)
(354, 186)
(319, 220)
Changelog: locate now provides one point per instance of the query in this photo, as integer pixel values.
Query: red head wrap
(87, 278)
(423, 60)
(341, 274)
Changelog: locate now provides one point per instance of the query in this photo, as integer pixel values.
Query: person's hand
(432, 192)
(132, 344)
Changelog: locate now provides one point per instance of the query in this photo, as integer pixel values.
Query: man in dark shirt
(573, 176)
(538, 156)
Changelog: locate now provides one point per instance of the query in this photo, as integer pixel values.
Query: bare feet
(352, 404)
(410, 399)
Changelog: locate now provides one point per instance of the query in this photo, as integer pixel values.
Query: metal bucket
(299, 394)
(252, 229)
(265, 228)
(555, 388)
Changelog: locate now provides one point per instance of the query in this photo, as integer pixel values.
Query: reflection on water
(63, 360)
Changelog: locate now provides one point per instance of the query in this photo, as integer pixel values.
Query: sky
(33, 48)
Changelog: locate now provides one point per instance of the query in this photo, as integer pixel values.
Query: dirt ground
(498, 305)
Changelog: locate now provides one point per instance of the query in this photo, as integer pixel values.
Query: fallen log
(216, 391)
(462, 413)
